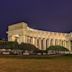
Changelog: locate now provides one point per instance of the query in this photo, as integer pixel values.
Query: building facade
(21, 32)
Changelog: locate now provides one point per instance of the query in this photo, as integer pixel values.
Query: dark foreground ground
(36, 63)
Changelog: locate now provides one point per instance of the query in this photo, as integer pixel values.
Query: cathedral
(21, 32)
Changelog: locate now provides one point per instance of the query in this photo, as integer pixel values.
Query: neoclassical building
(41, 39)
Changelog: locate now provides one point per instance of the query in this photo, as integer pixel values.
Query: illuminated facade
(41, 39)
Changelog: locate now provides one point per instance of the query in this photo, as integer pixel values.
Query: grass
(35, 64)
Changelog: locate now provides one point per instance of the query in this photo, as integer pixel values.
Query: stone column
(58, 42)
(30, 40)
(40, 47)
(27, 39)
(9, 37)
(47, 43)
(66, 44)
(21, 39)
(53, 41)
(33, 40)
(69, 45)
(24, 39)
(44, 44)
(63, 43)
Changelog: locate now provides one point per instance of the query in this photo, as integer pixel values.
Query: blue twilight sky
(50, 15)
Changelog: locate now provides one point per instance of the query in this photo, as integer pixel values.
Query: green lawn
(35, 64)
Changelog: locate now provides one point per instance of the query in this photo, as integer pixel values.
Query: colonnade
(43, 43)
